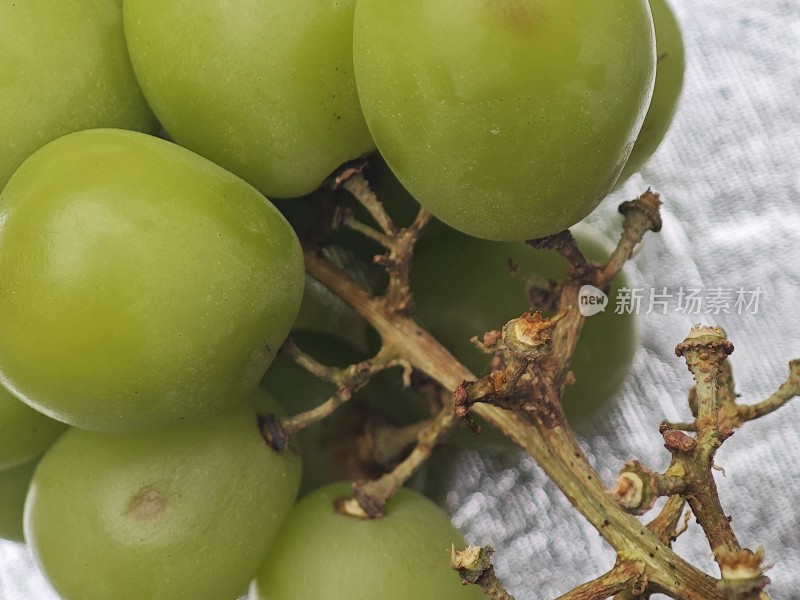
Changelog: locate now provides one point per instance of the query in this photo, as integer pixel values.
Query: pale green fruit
(182, 513)
(507, 119)
(669, 83)
(24, 432)
(14, 484)
(320, 553)
(265, 89)
(142, 285)
(63, 67)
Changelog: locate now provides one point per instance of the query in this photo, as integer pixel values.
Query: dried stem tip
(629, 492)
(474, 565)
(742, 573)
(645, 207)
(710, 342)
(272, 432)
(676, 441)
(531, 335)
(636, 488)
(349, 507)
(740, 564)
(471, 562)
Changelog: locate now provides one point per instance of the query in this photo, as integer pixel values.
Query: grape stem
(348, 381)
(733, 415)
(372, 495)
(666, 527)
(352, 179)
(474, 566)
(399, 243)
(384, 443)
(556, 449)
(545, 435)
(626, 575)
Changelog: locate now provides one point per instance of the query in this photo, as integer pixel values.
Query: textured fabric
(729, 172)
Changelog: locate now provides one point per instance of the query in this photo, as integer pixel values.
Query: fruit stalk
(347, 380)
(624, 576)
(556, 448)
(474, 566)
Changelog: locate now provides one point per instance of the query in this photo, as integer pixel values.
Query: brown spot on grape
(524, 16)
(147, 504)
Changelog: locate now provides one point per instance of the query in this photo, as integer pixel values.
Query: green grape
(142, 284)
(463, 288)
(507, 120)
(264, 89)
(667, 91)
(64, 68)
(320, 553)
(24, 432)
(14, 484)
(186, 512)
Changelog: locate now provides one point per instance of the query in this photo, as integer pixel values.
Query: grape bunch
(147, 284)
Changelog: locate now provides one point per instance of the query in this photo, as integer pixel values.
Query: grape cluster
(147, 283)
